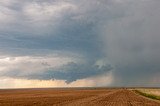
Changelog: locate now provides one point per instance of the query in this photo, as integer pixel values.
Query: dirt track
(73, 97)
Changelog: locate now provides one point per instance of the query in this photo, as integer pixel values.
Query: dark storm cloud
(123, 32)
(69, 72)
(39, 27)
(62, 32)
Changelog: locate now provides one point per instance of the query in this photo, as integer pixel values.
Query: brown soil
(73, 97)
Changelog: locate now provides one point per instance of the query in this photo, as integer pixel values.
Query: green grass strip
(148, 95)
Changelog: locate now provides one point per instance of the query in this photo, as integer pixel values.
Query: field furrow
(74, 97)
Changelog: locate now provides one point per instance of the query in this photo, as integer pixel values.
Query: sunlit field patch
(151, 93)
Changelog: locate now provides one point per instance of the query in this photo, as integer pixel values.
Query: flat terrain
(73, 97)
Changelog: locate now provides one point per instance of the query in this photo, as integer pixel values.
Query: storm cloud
(46, 68)
(74, 40)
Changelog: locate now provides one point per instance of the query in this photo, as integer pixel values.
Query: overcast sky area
(79, 43)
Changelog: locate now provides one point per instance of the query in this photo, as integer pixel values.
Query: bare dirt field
(73, 97)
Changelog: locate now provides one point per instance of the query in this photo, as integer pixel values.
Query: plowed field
(73, 97)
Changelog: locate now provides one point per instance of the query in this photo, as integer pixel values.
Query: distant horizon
(81, 88)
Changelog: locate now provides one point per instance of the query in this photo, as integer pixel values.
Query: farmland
(74, 96)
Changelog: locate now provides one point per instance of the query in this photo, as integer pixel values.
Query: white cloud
(41, 11)
(8, 2)
(32, 64)
(6, 15)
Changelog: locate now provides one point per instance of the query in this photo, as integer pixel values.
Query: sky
(79, 43)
